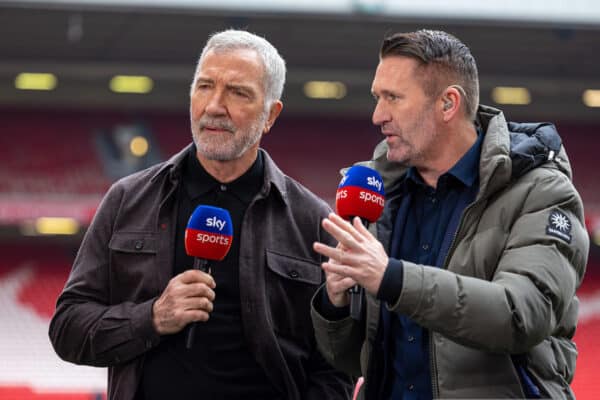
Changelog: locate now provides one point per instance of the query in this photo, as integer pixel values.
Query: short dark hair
(444, 60)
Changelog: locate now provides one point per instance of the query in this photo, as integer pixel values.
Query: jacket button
(294, 274)
(139, 244)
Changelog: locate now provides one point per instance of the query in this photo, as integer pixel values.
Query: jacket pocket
(133, 266)
(290, 283)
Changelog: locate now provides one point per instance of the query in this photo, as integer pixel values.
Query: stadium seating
(49, 154)
(31, 277)
(53, 157)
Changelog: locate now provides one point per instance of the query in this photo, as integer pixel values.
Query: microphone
(208, 236)
(360, 194)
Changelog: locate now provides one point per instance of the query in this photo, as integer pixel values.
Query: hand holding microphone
(188, 297)
(359, 257)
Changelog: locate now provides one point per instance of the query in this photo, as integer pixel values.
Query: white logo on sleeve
(559, 225)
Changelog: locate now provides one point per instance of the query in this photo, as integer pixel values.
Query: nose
(215, 105)
(380, 114)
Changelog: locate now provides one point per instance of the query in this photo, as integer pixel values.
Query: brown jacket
(104, 314)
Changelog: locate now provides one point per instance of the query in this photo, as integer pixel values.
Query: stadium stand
(48, 154)
(578, 140)
(32, 274)
(585, 385)
(51, 165)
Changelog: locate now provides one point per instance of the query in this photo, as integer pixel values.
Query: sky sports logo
(376, 183)
(214, 238)
(365, 196)
(216, 222)
(209, 238)
(371, 181)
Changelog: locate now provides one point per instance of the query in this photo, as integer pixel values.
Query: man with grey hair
(472, 269)
(132, 294)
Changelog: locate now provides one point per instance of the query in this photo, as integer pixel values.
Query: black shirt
(219, 365)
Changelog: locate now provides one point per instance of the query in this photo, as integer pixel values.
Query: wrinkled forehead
(235, 59)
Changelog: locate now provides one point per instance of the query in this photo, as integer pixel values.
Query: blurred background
(92, 90)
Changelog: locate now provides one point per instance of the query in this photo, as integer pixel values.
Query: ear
(274, 112)
(450, 103)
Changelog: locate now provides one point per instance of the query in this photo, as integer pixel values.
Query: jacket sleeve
(325, 382)
(326, 379)
(340, 340)
(532, 291)
(86, 328)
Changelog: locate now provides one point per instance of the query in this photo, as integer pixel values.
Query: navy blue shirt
(424, 227)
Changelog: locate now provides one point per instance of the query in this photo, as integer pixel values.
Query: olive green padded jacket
(507, 287)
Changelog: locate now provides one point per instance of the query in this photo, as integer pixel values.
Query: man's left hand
(361, 256)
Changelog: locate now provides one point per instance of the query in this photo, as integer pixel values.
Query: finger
(345, 271)
(198, 303)
(346, 226)
(361, 228)
(194, 275)
(345, 237)
(327, 251)
(340, 285)
(332, 276)
(196, 316)
(198, 290)
(341, 222)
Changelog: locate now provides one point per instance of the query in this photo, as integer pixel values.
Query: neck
(229, 170)
(460, 137)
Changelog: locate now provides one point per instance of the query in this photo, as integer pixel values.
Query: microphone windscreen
(360, 194)
(209, 233)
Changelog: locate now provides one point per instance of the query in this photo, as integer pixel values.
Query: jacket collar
(495, 165)
(273, 176)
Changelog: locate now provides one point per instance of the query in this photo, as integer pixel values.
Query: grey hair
(274, 64)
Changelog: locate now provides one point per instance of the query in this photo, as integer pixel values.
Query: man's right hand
(187, 298)
(337, 287)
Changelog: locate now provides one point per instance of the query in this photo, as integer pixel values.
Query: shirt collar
(198, 181)
(466, 169)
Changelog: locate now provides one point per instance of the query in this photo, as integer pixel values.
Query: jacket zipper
(433, 366)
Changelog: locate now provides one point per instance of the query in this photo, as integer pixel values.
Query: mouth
(391, 139)
(214, 129)
(386, 130)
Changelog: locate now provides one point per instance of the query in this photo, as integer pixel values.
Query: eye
(203, 86)
(391, 97)
(240, 93)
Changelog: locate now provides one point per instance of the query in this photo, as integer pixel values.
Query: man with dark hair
(132, 292)
(472, 269)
